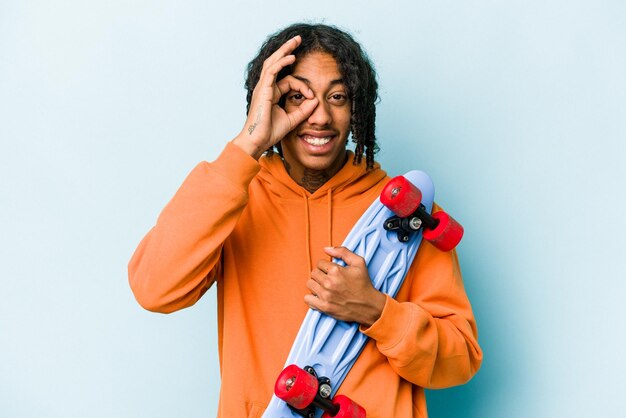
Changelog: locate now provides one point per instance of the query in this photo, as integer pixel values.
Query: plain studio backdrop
(517, 110)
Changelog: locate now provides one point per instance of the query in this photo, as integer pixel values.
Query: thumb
(342, 253)
(302, 112)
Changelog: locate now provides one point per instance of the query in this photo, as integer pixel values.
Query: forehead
(320, 66)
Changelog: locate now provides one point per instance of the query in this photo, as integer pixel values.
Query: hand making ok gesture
(267, 122)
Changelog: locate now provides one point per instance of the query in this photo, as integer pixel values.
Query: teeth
(316, 141)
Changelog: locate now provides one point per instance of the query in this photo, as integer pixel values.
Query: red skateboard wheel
(347, 408)
(447, 234)
(296, 387)
(401, 196)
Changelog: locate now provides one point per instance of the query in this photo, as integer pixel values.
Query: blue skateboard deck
(330, 346)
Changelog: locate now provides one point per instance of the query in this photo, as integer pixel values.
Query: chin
(321, 163)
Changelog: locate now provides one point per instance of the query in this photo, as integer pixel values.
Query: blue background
(517, 109)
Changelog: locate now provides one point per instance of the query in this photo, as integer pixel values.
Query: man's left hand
(345, 293)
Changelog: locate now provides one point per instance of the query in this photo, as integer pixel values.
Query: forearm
(430, 338)
(427, 351)
(177, 260)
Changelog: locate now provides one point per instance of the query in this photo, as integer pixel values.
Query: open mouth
(316, 141)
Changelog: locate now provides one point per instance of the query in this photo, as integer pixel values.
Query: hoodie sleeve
(178, 259)
(430, 340)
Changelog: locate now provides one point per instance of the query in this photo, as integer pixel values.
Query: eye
(338, 98)
(295, 98)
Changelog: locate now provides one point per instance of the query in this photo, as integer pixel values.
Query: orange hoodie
(249, 227)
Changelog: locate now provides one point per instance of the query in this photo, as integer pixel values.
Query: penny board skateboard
(325, 349)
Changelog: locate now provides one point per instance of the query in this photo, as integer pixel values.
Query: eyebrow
(308, 82)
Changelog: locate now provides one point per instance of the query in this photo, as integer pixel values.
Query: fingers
(320, 285)
(342, 253)
(290, 83)
(266, 86)
(313, 302)
(317, 298)
(314, 287)
(278, 60)
(301, 107)
(300, 113)
(270, 72)
(327, 267)
(284, 50)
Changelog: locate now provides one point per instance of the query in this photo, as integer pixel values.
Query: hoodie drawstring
(308, 230)
(330, 217)
(308, 224)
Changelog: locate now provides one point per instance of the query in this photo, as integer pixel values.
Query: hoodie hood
(351, 181)
(345, 188)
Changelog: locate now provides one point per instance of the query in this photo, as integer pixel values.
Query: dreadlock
(357, 71)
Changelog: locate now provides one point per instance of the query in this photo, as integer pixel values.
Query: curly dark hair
(357, 71)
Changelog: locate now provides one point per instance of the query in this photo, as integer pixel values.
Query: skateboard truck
(405, 201)
(408, 225)
(304, 392)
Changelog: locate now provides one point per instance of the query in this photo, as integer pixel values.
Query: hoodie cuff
(236, 165)
(392, 326)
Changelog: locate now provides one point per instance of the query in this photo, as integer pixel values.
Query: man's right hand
(267, 122)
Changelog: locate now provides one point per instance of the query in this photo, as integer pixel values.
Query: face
(318, 144)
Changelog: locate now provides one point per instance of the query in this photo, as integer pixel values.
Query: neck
(311, 180)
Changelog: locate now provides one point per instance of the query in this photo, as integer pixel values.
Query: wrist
(376, 307)
(248, 146)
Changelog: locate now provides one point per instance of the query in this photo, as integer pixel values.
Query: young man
(264, 219)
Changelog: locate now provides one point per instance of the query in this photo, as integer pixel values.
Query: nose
(321, 115)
